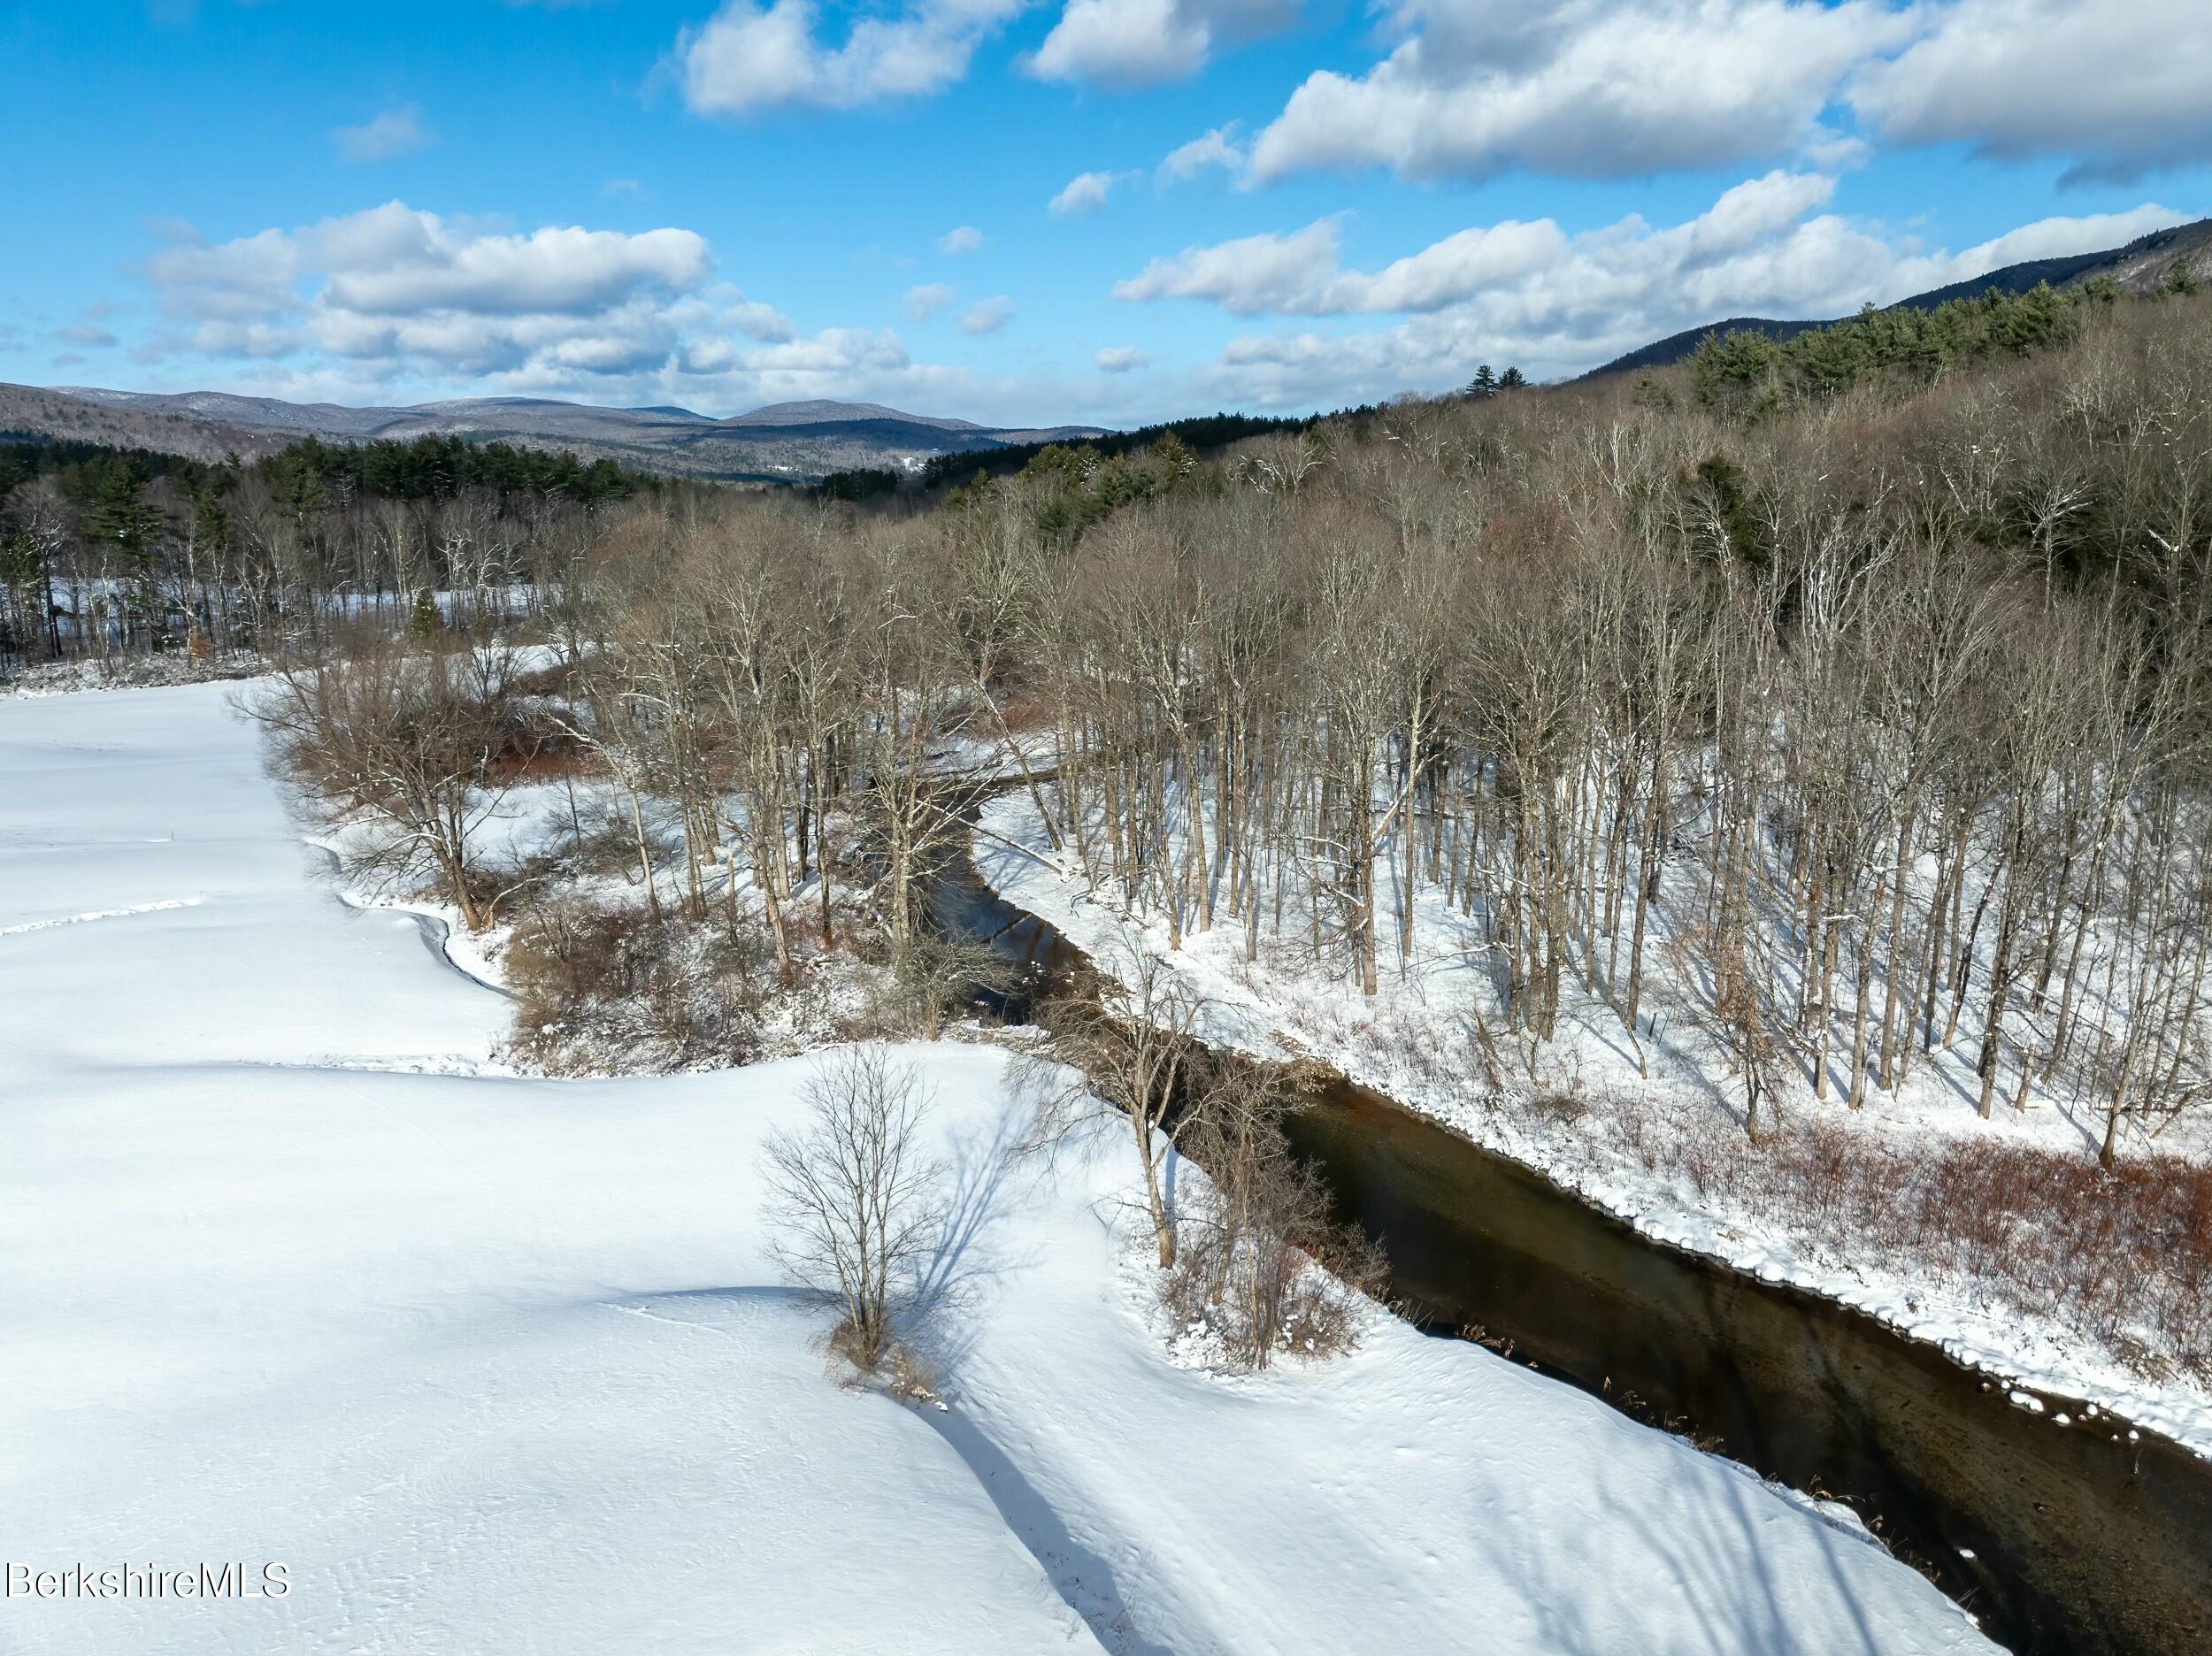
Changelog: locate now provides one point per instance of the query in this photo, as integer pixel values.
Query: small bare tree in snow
(855, 1202)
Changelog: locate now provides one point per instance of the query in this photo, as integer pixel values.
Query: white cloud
(1217, 148)
(1133, 43)
(2055, 238)
(988, 316)
(927, 300)
(1085, 193)
(754, 319)
(622, 186)
(1122, 43)
(391, 260)
(1244, 277)
(1297, 274)
(748, 58)
(964, 239)
(1116, 359)
(87, 333)
(397, 132)
(1555, 303)
(394, 293)
(1589, 88)
(1621, 88)
(2120, 88)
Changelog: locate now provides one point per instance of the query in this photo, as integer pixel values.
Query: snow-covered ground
(1412, 1043)
(292, 1275)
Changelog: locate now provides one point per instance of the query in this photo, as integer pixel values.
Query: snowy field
(293, 1274)
(1411, 1043)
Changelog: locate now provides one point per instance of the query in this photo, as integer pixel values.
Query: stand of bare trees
(1882, 729)
(412, 751)
(1862, 742)
(1870, 731)
(119, 557)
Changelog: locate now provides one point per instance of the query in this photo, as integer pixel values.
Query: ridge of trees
(1205, 433)
(107, 551)
(1753, 373)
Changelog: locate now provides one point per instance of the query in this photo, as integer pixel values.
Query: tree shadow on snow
(982, 1176)
(1085, 1583)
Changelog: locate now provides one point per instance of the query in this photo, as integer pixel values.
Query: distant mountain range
(783, 443)
(795, 442)
(2143, 266)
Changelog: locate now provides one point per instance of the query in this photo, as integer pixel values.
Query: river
(2083, 1538)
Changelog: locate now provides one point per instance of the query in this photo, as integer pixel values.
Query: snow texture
(499, 1363)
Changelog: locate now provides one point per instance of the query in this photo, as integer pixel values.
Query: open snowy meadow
(294, 1272)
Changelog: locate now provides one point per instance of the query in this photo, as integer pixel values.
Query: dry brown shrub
(602, 986)
(2122, 1256)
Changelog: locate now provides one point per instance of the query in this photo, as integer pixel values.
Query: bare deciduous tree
(415, 748)
(854, 1201)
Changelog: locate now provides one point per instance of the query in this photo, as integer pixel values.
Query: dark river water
(2059, 1539)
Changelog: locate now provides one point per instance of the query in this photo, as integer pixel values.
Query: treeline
(1846, 736)
(1750, 371)
(112, 553)
(1203, 434)
(440, 468)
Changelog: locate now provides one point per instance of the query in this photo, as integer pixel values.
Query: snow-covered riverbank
(491, 1362)
(1413, 1044)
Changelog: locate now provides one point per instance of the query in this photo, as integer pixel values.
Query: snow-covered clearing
(1414, 1043)
(293, 1274)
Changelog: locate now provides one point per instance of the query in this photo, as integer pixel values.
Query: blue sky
(970, 206)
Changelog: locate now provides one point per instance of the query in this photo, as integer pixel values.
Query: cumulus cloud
(1615, 87)
(1133, 43)
(927, 300)
(1591, 88)
(1116, 359)
(988, 316)
(1217, 148)
(750, 57)
(752, 319)
(397, 132)
(1085, 193)
(2121, 88)
(964, 239)
(1554, 302)
(1244, 277)
(87, 333)
(396, 294)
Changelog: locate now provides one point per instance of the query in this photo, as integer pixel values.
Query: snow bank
(491, 1362)
(1411, 1044)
